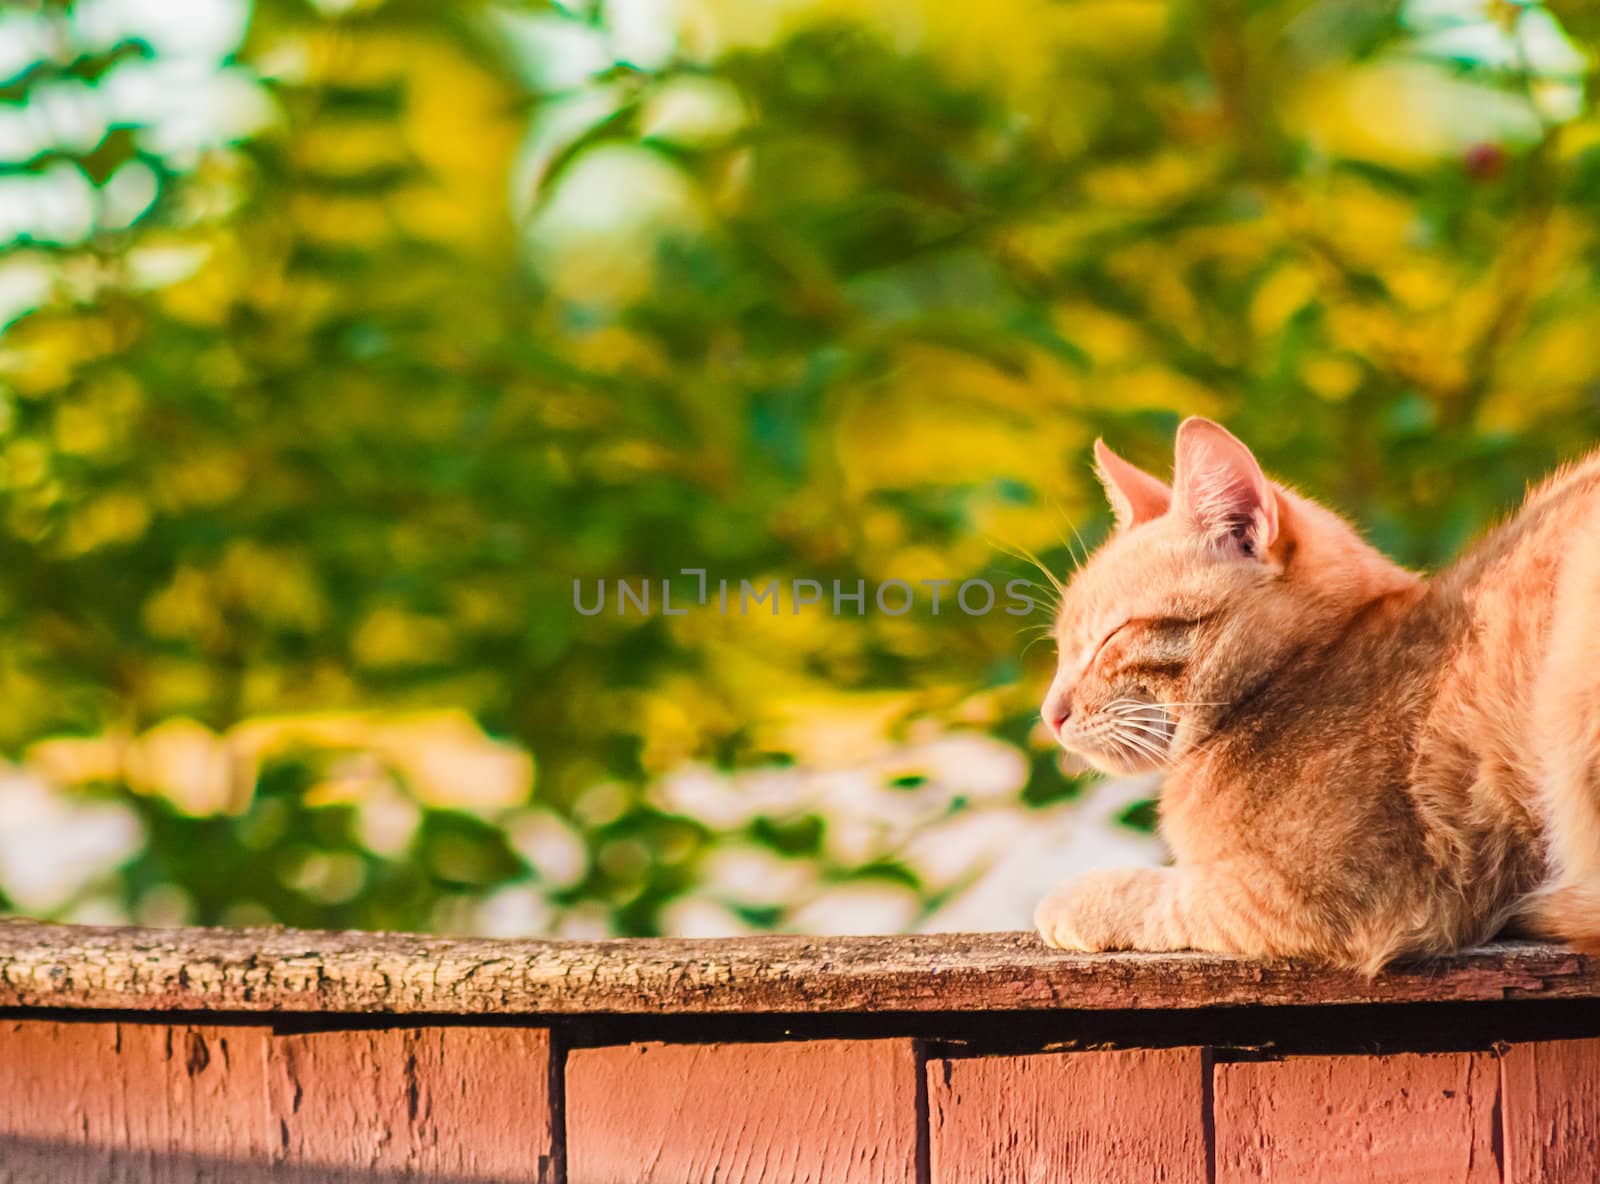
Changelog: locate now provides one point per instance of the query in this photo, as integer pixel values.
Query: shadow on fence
(40, 1161)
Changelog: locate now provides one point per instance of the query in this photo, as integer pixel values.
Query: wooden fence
(244, 1055)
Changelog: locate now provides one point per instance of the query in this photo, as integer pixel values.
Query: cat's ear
(1221, 490)
(1134, 494)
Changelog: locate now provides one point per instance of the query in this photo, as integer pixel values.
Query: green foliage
(1141, 815)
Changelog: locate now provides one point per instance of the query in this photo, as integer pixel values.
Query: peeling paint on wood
(786, 1113)
(1551, 1111)
(1079, 1117)
(1423, 1119)
(287, 970)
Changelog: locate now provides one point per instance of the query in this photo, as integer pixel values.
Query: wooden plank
(444, 1102)
(1138, 1114)
(133, 1103)
(1359, 1119)
(819, 1111)
(1551, 1111)
(247, 970)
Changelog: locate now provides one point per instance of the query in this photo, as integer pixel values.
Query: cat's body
(1358, 763)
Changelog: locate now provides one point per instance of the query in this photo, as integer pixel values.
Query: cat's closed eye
(1155, 646)
(1159, 628)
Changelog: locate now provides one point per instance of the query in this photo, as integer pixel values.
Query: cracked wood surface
(287, 970)
(105, 1101)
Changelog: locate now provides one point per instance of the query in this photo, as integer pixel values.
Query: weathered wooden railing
(238, 1055)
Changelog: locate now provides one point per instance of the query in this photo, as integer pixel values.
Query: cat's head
(1203, 589)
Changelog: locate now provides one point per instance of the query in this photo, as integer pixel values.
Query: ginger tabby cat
(1358, 763)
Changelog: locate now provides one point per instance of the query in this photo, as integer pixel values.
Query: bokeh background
(340, 337)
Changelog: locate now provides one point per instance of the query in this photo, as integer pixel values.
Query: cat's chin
(1075, 764)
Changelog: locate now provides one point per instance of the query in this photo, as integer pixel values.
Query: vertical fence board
(1348, 1119)
(132, 1103)
(1054, 1118)
(822, 1110)
(446, 1103)
(1551, 1109)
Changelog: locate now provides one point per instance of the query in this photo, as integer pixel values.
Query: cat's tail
(1569, 913)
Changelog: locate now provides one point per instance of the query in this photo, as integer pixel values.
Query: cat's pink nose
(1056, 713)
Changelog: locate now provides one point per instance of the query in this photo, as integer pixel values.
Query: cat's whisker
(1021, 552)
(1132, 733)
(1033, 641)
(1049, 602)
(1147, 729)
(1144, 737)
(1130, 751)
(1157, 711)
(1132, 705)
(1082, 546)
(1144, 717)
(1119, 704)
(1140, 715)
(1072, 552)
(1138, 752)
(1135, 741)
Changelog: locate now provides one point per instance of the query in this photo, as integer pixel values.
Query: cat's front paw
(1097, 911)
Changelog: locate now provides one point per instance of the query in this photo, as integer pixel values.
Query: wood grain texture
(1070, 1118)
(816, 1111)
(249, 970)
(445, 1102)
(1420, 1119)
(186, 1104)
(1551, 1109)
(132, 1103)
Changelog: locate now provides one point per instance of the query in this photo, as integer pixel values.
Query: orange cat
(1358, 763)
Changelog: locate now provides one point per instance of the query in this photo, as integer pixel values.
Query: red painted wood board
(132, 1103)
(447, 1103)
(1551, 1109)
(1411, 1118)
(1071, 1117)
(820, 1111)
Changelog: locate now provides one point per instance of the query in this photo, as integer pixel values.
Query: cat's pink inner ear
(1221, 489)
(1134, 494)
